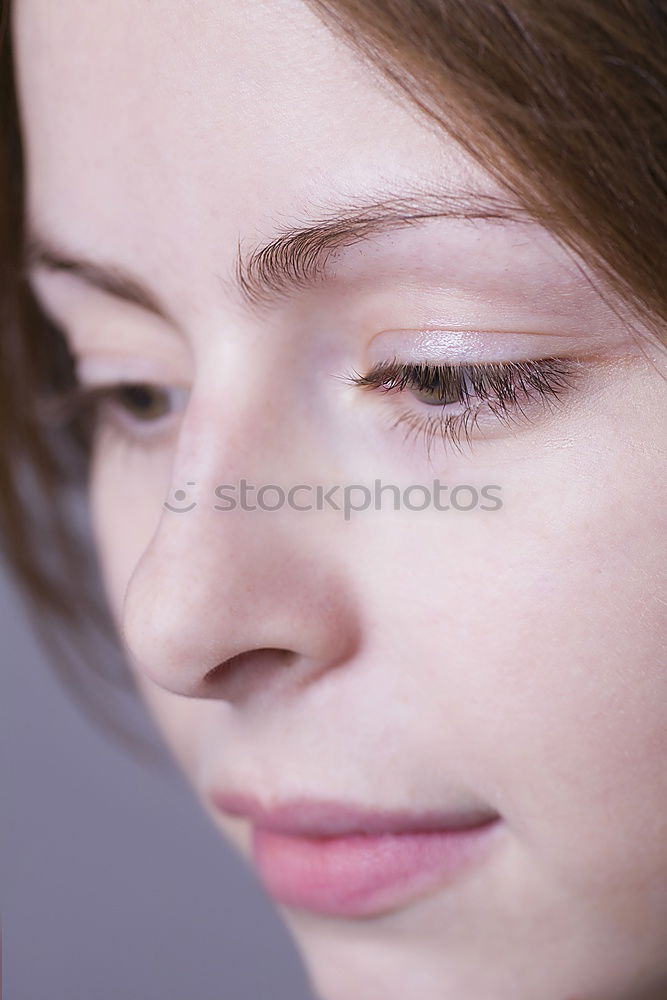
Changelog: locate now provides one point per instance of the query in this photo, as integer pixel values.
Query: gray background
(114, 882)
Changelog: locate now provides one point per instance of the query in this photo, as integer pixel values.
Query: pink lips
(339, 860)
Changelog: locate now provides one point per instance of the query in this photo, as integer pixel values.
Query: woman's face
(497, 655)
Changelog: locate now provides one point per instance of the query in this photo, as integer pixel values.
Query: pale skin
(513, 658)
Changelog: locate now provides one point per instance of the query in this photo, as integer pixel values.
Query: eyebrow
(295, 257)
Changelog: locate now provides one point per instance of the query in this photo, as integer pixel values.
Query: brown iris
(142, 400)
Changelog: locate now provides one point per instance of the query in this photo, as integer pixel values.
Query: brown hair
(564, 102)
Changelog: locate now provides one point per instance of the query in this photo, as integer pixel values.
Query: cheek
(553, 674)
(128, 487)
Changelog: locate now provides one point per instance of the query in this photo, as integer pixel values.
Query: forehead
(200, 122)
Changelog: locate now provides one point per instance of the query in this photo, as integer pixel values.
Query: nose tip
(240, 621)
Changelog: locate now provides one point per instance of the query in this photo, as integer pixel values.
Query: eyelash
(500, 389)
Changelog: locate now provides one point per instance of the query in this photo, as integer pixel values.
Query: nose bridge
(244, 419)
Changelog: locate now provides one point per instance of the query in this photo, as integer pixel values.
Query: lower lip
(364, 875)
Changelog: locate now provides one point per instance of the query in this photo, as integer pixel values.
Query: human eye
(455, 402)
(141, 412)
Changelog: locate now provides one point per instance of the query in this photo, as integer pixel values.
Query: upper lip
(304, 817)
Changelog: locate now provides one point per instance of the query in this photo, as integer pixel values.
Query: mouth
(340, 860)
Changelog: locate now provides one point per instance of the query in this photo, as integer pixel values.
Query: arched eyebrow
(295, 257)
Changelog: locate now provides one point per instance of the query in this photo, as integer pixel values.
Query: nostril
(240, 674)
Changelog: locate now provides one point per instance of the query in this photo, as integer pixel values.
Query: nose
(232, 604)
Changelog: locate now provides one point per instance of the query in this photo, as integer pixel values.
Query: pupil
(141, 399)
